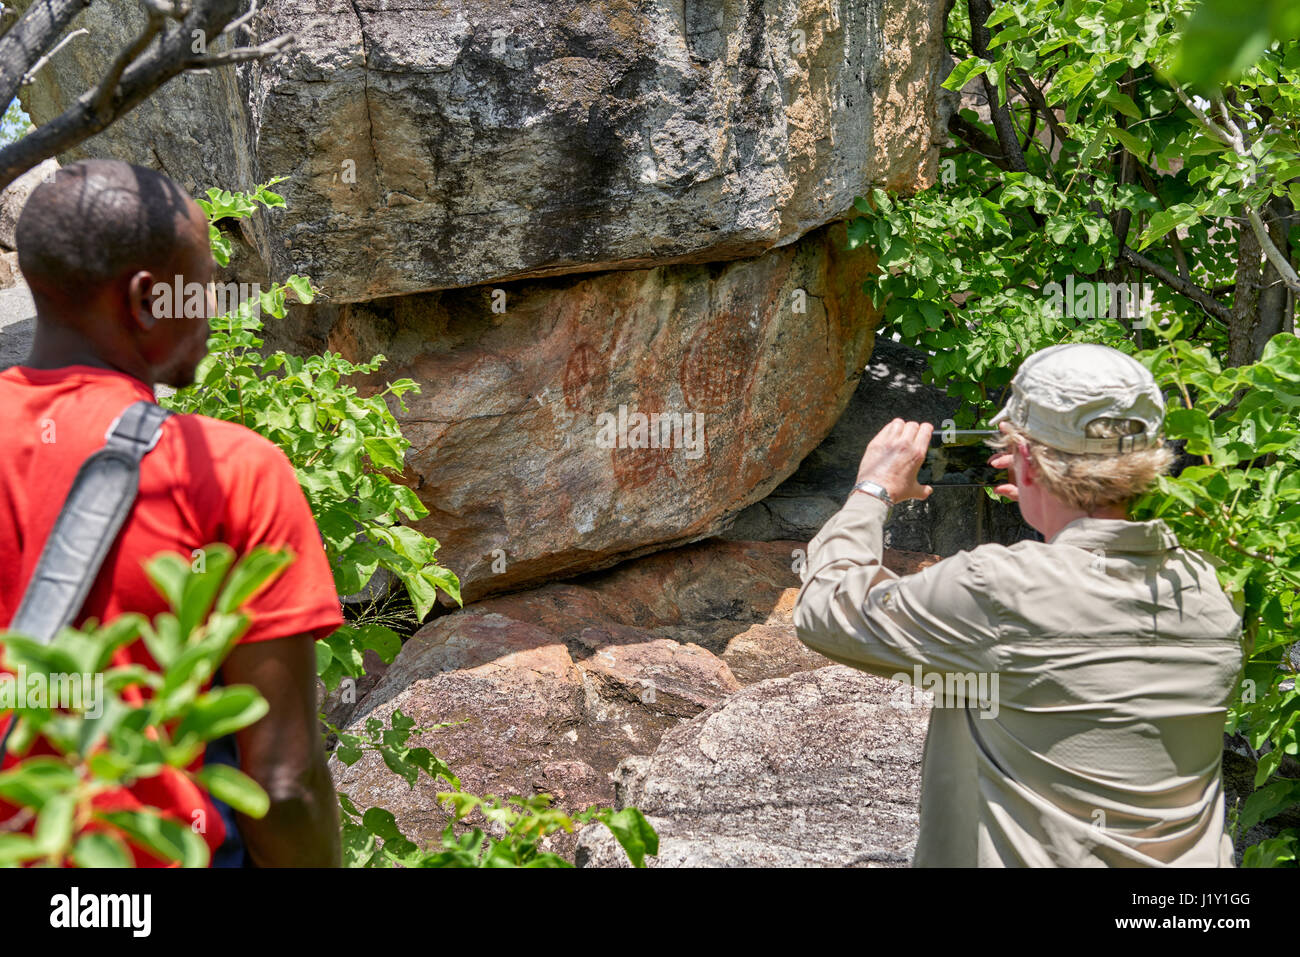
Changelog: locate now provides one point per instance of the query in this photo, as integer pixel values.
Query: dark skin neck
(58, 342)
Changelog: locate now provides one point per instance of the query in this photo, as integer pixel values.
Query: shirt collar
(64, 373)
(1117, 535)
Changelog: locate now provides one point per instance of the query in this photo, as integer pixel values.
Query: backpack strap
(97, 505)
(93, 513)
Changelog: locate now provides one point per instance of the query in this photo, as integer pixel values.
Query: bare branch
(1271, 252)
(1176, 244)
(977, 140)
(1266, 244)
(1034, 95)
(140, 70)
(1231, 135)
(1177, 283)
(1245, 297)
(240, 54)
(1201, 115)
(30, 38)
(236, 24)
(31, 74)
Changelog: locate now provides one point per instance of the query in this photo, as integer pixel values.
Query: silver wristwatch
(876, 489)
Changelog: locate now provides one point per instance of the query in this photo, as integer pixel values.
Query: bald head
(96, 221)
(96, 244)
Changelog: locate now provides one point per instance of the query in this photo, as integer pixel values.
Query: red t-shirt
(206, 481)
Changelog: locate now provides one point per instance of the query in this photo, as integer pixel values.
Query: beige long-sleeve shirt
(1082, 687)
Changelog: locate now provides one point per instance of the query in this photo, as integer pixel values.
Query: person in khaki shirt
(1081, 683)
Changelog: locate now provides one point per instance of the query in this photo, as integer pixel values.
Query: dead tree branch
(163, 50)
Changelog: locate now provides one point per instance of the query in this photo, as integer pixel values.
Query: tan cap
(1059, 390)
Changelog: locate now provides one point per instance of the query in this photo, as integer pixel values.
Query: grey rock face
(443, 143)
(17, 323)
(819, 769)
(558, 685)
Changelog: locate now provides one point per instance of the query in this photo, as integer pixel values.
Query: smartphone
(960, 457)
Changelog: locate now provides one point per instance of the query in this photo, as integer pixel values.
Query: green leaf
(1003, 13)
(1224, 37)
(384, 641)
(301, 287)
(1273, 852)
(254, 571)
(220, 712)
(165, 838)
(1194, 425)
(383, 825)
(235, 788)
(1167, 220)
(101, 849)
(1132, 143)
(634, 834)
(385, 453)
(965, 71)
(190, 587)
(1123, 103)
(36, 780)
(54, 823)
(17, 849)
(1267, 802)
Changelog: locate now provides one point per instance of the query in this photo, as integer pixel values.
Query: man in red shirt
(92, 245)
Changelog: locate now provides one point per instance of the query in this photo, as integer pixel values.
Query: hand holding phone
(959, 457)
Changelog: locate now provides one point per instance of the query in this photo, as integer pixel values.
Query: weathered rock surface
(950, 520)
(556, 686)
(442, 143)
(755, 358)
(822, 768)
(12, 201)
(17, 320)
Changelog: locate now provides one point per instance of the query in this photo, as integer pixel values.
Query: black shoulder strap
(98, 503)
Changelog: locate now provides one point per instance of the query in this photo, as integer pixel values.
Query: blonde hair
(1093, 480)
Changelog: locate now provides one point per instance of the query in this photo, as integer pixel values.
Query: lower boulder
(822, 768)
(553, 688)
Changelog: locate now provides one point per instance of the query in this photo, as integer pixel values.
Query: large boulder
(524, 436)
(441, 143)
(820, 769)
(689, 164)
(12, 201)
(554, 687)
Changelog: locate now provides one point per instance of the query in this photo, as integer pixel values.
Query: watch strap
(876, 490)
